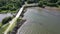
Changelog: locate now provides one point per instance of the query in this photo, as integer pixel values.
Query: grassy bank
(5, 23)
(7, 11)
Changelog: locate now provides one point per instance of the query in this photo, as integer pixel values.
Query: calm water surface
(40, 21)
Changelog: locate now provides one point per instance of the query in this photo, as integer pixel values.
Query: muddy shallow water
(40, 21)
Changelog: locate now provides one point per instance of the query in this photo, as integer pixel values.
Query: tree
(52, 1)
(40, 3)
(6, 20)
(58, 2)
(32, 1)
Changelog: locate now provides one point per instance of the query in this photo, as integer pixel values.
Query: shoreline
(52, 8)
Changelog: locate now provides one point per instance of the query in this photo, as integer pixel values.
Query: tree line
(15, 4)
(10, 4)
(51, 3)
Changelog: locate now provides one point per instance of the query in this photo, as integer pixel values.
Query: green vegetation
(32, 1)
(6, 20)
(58, 2)
(42, 3)
(13, 5)
(10, 5)
(5, 24)
(3, 28)
(51, 3)
(0, 25)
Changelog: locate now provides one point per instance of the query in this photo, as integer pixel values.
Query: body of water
(40, 21)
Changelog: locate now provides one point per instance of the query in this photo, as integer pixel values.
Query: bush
(45, 2)
(29, 1)
(3, 8)
(52, 1)
(1, 5)
(6, 20)
(52, 4)
(58, 2)
(0, 10)
(40, 3)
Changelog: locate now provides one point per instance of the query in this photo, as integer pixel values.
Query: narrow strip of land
(12, 22)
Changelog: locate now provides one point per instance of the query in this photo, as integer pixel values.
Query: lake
(40, 21)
